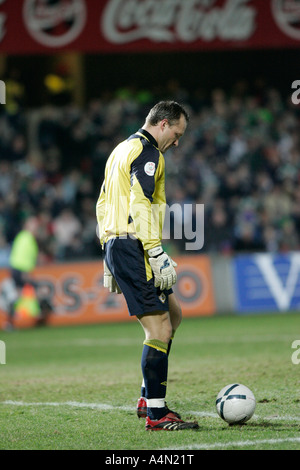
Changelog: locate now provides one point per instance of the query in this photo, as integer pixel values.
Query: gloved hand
(163, 268)
(109, 280)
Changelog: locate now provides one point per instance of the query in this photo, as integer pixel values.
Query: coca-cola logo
(287, 16)
(171, 21)
(54, 23)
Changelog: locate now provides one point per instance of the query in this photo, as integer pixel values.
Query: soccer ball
(235, 404)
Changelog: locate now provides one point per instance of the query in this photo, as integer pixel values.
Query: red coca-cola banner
(45, 26)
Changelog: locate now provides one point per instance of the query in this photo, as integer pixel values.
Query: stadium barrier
(206, 286)
(266, 282)
(77, 294)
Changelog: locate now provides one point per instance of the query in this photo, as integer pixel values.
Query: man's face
(169, 135)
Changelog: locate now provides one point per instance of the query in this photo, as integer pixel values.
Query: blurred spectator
(218, 236)
(4, 251)
(246, 240)
(23, 259)
(6, 177)
(46, 236)
(65, 227)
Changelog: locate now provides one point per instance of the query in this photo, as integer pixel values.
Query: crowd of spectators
(240, 157)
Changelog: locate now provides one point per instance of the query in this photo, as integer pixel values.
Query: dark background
(194, 70)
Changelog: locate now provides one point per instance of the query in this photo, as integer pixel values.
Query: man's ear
(163, 124)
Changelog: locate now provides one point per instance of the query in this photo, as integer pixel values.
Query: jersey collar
(148, 136)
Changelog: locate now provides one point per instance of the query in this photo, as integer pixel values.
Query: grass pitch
(77, 387)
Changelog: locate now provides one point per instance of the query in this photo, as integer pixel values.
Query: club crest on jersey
(149, 168)
(162, 297)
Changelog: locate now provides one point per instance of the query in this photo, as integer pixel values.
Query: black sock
(143, 388)
(155, 372)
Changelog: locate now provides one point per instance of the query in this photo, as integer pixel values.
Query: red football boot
(169, 423)
(141, 409)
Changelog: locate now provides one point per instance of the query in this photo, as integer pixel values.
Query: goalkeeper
(130, 214)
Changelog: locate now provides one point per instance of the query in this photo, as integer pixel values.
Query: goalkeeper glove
(109, 280)
(163, 268)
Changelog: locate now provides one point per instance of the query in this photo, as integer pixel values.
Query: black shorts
(126, 260)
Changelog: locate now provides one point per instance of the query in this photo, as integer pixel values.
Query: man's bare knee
(157, 325)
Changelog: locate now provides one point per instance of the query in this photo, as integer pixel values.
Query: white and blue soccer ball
(235, 403)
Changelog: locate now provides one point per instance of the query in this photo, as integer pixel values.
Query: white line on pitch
(74, 404)
(105, 406)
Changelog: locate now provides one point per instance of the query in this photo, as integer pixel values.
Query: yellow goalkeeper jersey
(132, 198)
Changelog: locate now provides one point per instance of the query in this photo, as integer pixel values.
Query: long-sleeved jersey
(132, 198)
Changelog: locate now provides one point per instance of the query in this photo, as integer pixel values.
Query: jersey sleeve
(100, 213)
